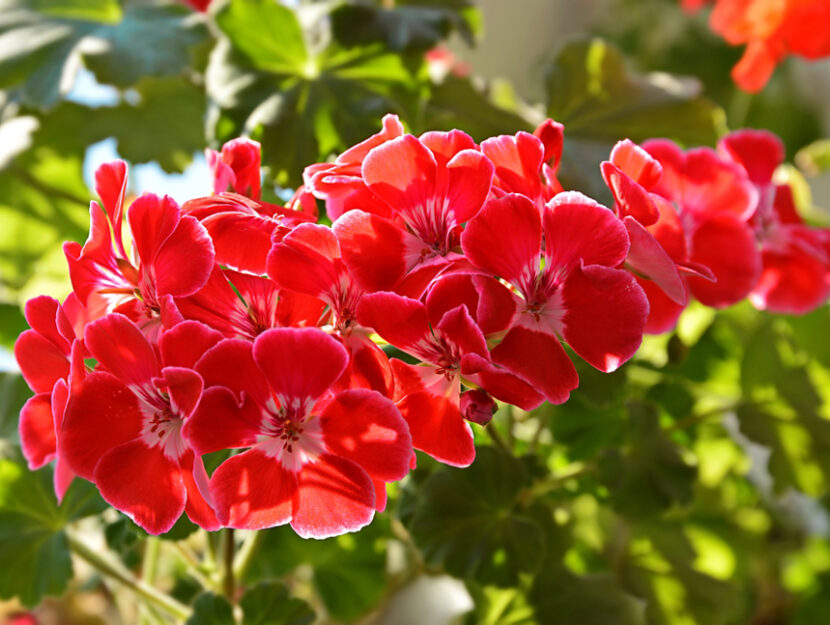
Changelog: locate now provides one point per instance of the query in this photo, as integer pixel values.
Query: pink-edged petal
(41, 362)
(121, 348)
(186, 342)
(577, 229)
(470, 175)
(253, 491)
(221, 421)
(230, 363)
(663, 312)
(144, 484)
(636, 163)
(368, 429)
(647, 257)
(300, 363)
(631, 198)
(499, 382)
(793, 282)
(400, 320)
(241, 241)
(605, 312)
(334, 496)
(459, 328)
(491, 305)
(308, 261)
(37, 430)
(101, 414)
(505, 239)
(152, 219)
(726, 245)
(374, 249)
(759, 152)
(402, 172)
(380, 495)
(63, 475)
(198, 507)
(539, 359)
(438, 428)
(518, 160)
(188, 246)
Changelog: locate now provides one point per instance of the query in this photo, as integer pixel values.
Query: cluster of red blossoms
(229, 323)
(771, 30)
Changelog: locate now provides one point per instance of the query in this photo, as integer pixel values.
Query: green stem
(148, 614)
(118, 572)
(194, 567)
(228, 553)
(497, 438)
(246, 553)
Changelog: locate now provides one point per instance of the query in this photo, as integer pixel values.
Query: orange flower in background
(772, 29)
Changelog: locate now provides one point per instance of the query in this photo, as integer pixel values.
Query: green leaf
(39, 44)
(33, 547)
(210, 609)
(471, 522)
(500, 606)
(650, 475)
(316, 103)
(591, 91)
(12, 323)
(13, 394)
(269, 603)
(409, 25)
(266, 33)
(814, 159)
(149, 41)
(457, 103)
(349, 571)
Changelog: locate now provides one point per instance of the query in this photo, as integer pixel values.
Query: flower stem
(228, 553)
(118, 572)
(246, 553)
(152, 546)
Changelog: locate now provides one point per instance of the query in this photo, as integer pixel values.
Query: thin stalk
(228, 553)
(193, 565)
(115, 570)
(246, 553)
(497, 438)
(149, 568)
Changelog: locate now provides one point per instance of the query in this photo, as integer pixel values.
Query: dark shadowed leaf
(210, 609)
(269, 603)
(33, 547)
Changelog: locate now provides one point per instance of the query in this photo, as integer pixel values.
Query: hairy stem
(228, 553)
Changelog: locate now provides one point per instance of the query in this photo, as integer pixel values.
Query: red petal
(459, 328)
(40, 361)
(400, 320)
(222, 422)
(120, 347)
(144, 484)
(578, 229)
(43, 314)
(101, 414)
(300, 363)
(111, 186)
(605, 312)
(37, 430)
(499, 382)
(241, 241)
(188, 246)
(647, 257)
(438, 428)
(636, 163)
(253, 491)
(794, 282)
(505, 239)
(367, 428)
(334, 496)
(152, 219)
(518, 160)
(368, 364)
(197, 507)
(392, 128)
(186, 343)
(470, 176)
(230, 363)
(662, 311)
(488, 301)
(184, 386)
(630, 198)
(539, 359)
(759, 152)
(552, 136)
(374, 249)
(727, 246)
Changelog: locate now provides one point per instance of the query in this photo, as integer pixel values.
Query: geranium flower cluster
(771, 30)
(305, 362)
